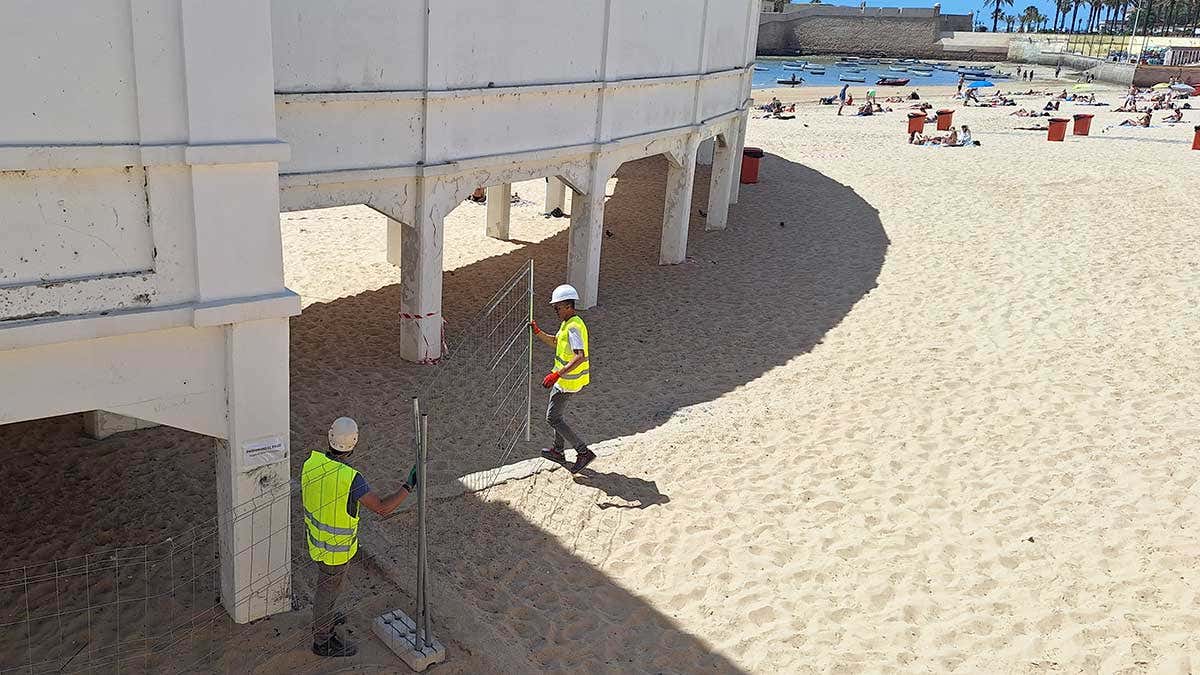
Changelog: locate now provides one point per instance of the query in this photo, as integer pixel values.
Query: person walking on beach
(961, 79)
(568, 377)
(332, 493)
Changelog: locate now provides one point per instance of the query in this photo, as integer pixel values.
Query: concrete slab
(399, 633)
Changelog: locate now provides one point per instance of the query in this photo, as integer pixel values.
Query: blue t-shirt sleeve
(358, 488)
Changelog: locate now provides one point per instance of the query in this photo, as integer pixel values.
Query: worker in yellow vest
(332, 492)
(569, 376)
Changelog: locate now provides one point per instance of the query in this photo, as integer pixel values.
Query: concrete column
(499, 210)
(100, 424)
(735, 186)
(721, 183)
(421, 283)
(253, 493)
(677, 212)
(556, 194)
(394, 236)
(585, 237)
(705, 154)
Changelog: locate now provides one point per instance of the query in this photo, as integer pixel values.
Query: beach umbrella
(1179, 86)
(1162, 85)
(980, 84)
(1082, 87)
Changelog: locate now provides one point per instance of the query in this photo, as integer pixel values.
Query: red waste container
(1058, 129)
(1083, 124)
(916, 122)
(1196, 140)
(750, 159)
(945, 120)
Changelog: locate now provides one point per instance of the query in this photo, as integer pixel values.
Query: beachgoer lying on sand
(828, 100)
(894, 99)
(1051, 105)
(1063, 95)
(1174, 117)
(914, 96)
(1143, 121)
(866, 110)
(916, 138)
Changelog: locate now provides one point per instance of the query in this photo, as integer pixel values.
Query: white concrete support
(677, 212)
(735, 186)
(253, 493)
(421, 284)
(100, 424)
(721, 182)
(394, 236)
(586, 235)
(556, 194)
(705, 154)
(499, 210)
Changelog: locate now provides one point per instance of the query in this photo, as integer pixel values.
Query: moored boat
(892, 81)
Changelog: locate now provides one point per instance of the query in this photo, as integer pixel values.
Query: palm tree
(1061, 7)
(998, 12)
(1009, 20)
(1029, 18)
(1075, 5)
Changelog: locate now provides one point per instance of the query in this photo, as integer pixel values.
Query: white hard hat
(343, 434)
(564, 292)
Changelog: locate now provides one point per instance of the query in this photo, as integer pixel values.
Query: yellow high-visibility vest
(325, 489)
(576, 379)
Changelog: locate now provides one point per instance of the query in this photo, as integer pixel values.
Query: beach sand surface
(918, 409)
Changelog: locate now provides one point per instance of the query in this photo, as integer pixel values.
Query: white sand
(943, 418)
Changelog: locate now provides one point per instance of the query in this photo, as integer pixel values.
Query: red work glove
(550, 380)
(534, 326)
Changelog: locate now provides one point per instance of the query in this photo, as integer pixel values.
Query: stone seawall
(820, 31)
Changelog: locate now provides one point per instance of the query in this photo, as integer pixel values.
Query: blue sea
(833, 74)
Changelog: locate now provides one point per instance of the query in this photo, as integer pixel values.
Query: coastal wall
(827, 29)
(1048, 53)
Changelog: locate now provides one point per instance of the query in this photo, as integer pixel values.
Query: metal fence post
(422, 547)
(417, 438)
(529, 375)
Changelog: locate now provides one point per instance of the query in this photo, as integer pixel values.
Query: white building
(148, 146)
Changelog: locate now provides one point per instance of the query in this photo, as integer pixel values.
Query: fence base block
(399, 633)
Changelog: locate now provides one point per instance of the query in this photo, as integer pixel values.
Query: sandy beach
(919, 409)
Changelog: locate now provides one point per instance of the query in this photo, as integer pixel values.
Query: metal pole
(416, 412)
(423, 548)
(529, 374)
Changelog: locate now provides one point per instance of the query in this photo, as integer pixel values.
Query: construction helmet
(343, 434)
(564, 292)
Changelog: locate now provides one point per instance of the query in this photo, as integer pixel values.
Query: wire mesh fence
(140, 609)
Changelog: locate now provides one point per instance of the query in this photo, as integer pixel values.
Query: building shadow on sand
(800, 251)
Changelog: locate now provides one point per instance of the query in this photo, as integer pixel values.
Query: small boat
(984, 67)
(887, 60)
(799, 64)
(846, 64)
(920, 69)
(792, 83)
(868, 62)
(817, 71)
(974, 78)
(897, 69)
(761, 69)
(921, 73)
(787, 67)
(851, 58)
(970, 71)
(852, 78)
(892, 81)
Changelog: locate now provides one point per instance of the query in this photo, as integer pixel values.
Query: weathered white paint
(556, 194)
(499, 210)
(677, 213)
(147, 146)
(100, 424)
(721, 181)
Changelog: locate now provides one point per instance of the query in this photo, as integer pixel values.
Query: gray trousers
(563, 433)
(330, 580)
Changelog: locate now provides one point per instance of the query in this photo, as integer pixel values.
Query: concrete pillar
(421, 283)
(735, 186)
(556, 194)
(721, 183)
(253, 492)
(394, 237)
(677, 212)
(499, 210)
(585, 237)
(705, 154)
(100, 424)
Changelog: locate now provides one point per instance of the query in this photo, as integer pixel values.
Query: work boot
(334, 647)
(582, 459)
(554, 455)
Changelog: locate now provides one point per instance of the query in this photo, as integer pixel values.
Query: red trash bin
(945, 120)
(916, 122)
(750, 159)
(1083, 124)
(1196, 140)
(1058, 129)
